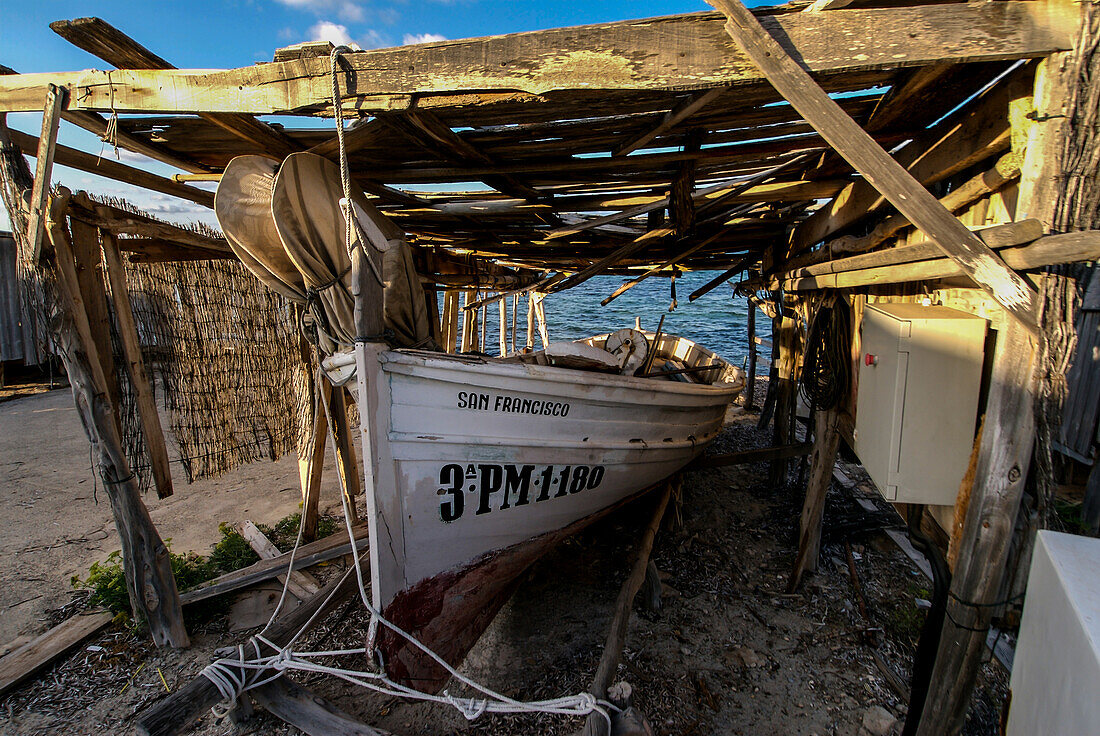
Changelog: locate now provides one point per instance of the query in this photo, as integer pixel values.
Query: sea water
(717, 320)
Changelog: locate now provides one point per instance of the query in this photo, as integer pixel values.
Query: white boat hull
(471, 459)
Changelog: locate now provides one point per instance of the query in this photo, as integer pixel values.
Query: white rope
(235, 676)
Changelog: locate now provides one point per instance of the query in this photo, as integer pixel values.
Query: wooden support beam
(311, 469)
(149, 579)
(720, 279)
(120, 221)
(105, 167)
(634, 246)
(1065, 248)
(1006, 169)
(310, 713)
(346, 465)
(825, 446)
(103, 40)
(749, 191)
(884, 173)
(88, 256)
(672, 53)
(671, 119)
(180, 709)
(656, 269)
(997, 237)
(47, 143)
(616, 636)
(785, 338)
(980, 131)
(999, 479)
(32, 657)
(423, 127)
(151, 428)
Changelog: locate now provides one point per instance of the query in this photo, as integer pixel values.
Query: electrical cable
(826, 368)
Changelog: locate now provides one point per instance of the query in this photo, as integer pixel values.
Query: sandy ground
(57, 519)
(728, 652)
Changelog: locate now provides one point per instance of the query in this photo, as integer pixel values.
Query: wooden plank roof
(495, 145)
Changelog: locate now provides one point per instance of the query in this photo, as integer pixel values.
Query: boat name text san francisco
(511, 404)
(514, 483)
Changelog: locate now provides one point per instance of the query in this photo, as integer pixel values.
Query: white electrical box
(920, 374)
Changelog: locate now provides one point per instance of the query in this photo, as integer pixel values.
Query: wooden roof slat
(676, 115)
(105, 167)
(101, 39)
(675, 52)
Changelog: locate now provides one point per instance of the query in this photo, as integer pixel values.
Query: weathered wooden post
(750, 388)
(149, 578)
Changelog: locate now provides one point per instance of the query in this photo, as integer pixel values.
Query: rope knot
(470, 708)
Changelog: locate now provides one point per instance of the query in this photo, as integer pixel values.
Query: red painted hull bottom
(449, 612)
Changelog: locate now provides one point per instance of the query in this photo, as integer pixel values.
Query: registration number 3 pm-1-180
(514, 485)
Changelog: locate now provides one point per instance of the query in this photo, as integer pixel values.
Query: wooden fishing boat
(473, 466)
(477, 466)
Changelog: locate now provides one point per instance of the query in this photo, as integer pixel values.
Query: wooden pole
(346, 465)
(311, 469)
(785, 393)
(595, 724)
(1001, 471)
(149, 578)
(47, 145)
(826, 443)
(530, 320)
(883, 172)
(750, 387)
(503, 327)
(135, 367)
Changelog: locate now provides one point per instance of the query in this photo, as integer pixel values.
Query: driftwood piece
(135, 366)
(308, 555)
(307, 711)
(302, 585)
(616, 635)
(31, 657)
(889, 177)
(179, 710)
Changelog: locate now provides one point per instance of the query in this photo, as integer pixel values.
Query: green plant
(232, 552)
(107, 581)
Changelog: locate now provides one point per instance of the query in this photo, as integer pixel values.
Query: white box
(920, 375)
(1056, 673)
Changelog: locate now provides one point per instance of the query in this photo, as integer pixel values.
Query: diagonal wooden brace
(867, 157)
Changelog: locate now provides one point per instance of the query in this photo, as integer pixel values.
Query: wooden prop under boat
(474, 467)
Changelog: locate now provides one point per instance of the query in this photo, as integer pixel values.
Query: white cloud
(374, 40)
(345, 9)
(410, 38)
(334, 33)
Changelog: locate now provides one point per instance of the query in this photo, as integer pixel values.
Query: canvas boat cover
(285, 223)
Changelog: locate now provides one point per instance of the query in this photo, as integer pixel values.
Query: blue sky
(233, 33)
